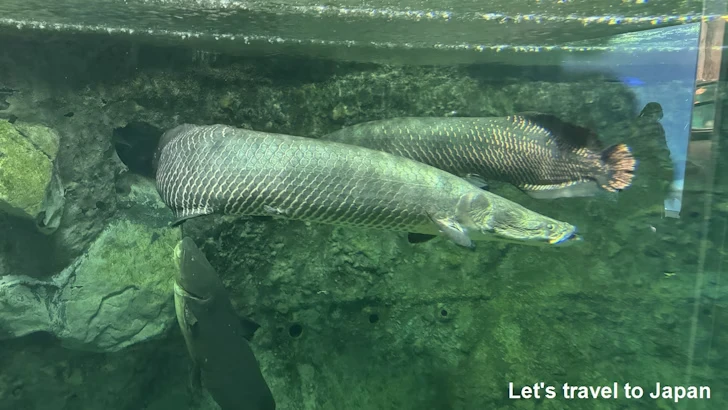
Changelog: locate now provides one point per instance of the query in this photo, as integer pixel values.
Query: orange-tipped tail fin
(621, 167)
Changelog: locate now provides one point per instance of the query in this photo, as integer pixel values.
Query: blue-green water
(631, 317)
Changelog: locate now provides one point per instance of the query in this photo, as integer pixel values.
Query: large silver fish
(538, 153)
(221, 169)
(215, 336)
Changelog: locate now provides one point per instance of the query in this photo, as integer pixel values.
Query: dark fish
(220, 169)
(216, 338)
(538, 153)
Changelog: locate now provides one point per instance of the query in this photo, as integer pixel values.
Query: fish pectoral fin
(189, 214)
(453, 230)
(249, 328)
(190, 321)
(419, 237)
(275, 212)
(478, 181)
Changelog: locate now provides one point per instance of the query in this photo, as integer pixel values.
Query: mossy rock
(25, 173)
(29, 186)
(44, 138)
(121, 292)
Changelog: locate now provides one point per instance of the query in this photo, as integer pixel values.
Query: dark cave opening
(135, 145)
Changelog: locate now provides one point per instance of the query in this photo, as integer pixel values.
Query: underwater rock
(116, 294)
(39, 374)
(29, 184)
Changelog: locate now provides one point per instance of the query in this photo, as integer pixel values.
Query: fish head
(195, 290)
(501, 219)
(197, 282)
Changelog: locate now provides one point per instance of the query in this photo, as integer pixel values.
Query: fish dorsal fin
(564, 133)
(453, 230)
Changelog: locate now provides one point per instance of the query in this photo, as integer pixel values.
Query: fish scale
(221, 169)
(301, 193)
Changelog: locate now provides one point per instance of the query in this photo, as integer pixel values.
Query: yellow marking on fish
(669, 274)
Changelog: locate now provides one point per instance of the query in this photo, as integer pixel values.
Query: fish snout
(568, 237)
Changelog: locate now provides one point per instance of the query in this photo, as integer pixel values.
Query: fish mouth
(569, 238)
(180, 291)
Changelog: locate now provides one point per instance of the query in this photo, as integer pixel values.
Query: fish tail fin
(621, 165)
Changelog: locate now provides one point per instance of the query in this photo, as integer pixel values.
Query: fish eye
(550, 226)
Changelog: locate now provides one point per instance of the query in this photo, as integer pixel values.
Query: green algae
(46, 139)
(25, 173)
(132, 254)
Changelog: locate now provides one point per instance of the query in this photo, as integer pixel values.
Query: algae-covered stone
(116, 294)
(29, 184)
(44, 138)
(120, 293)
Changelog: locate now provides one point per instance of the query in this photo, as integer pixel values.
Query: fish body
(541, 155)
(221, 169)
(215, 336)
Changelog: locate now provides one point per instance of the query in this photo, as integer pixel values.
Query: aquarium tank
(363, 204)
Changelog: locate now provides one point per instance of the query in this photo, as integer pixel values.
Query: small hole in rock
(12, 119)
(373, 318)
(101, 205)
(68, 114)
(694, 214)
(443, 313)
(295, 330)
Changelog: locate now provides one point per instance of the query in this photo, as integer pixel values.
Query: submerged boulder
(116, 294)
(29, 184)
